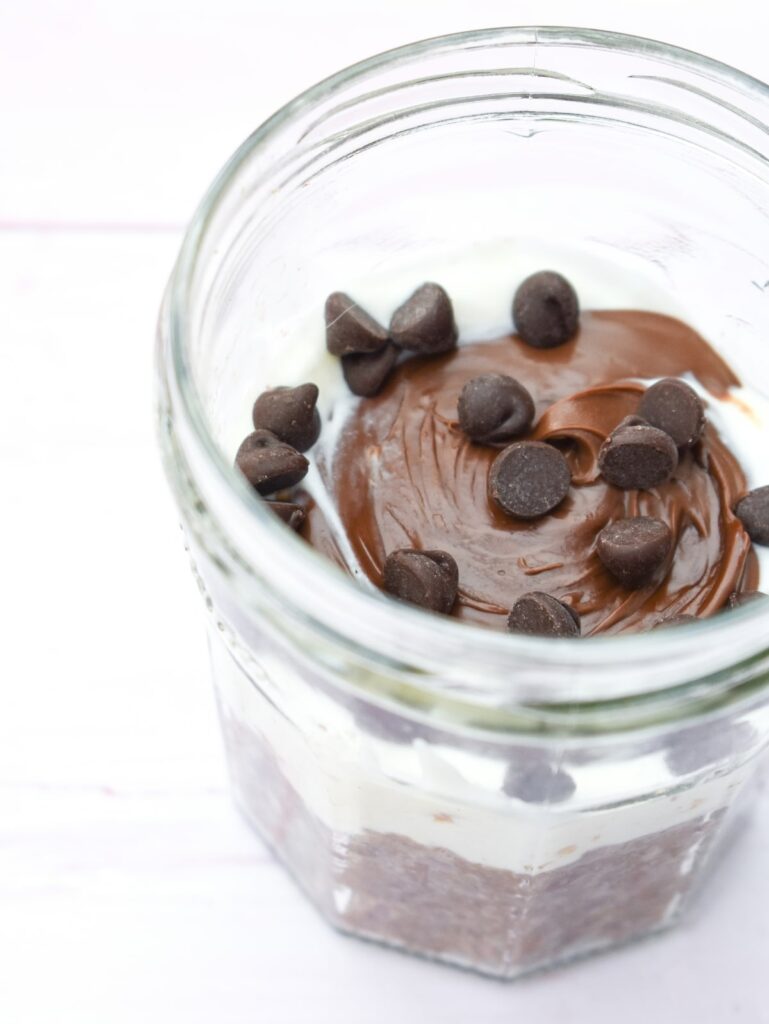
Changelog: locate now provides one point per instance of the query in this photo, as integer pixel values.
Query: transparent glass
(499, 802)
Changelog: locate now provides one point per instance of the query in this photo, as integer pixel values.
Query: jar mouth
(306, 587)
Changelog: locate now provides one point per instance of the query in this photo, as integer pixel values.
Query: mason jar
(495, 801)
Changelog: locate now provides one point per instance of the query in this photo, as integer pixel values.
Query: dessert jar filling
(447, 779)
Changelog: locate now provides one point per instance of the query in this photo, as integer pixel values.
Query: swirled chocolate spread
(561, 481)
(405, 476)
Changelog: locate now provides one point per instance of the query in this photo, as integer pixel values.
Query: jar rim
(577, 671)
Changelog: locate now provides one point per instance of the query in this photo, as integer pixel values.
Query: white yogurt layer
(440, 797)
(433, 795)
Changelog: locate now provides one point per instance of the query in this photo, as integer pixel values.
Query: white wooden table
(129, 889)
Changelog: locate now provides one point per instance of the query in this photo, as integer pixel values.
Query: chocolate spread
(404, 475)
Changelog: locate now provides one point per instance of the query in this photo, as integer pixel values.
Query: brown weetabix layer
(433, 902)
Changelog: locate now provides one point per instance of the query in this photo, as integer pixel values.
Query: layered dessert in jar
(463, 398)
(591, 472)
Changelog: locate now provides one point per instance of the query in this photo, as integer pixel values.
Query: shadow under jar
(496, 801)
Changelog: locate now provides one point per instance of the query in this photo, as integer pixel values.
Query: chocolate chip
(366, 373)
(293, 515)
(546, 310)
(632, 421)
(753, 513)
(634, 549)
(349, 328)
(425, 578)
(494, 408)
(425, 322)
(704, 745)
(396, 727)
(637, 457)
(290, 414)
(270, 464)
(736, 600)
(677, 620)
(538, 614)
(538, 782)
(385, 725)
(529, 479)
(671, 405)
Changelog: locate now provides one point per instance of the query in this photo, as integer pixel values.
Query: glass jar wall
(499, 802)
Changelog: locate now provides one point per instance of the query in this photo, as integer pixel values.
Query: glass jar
(496, 801)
